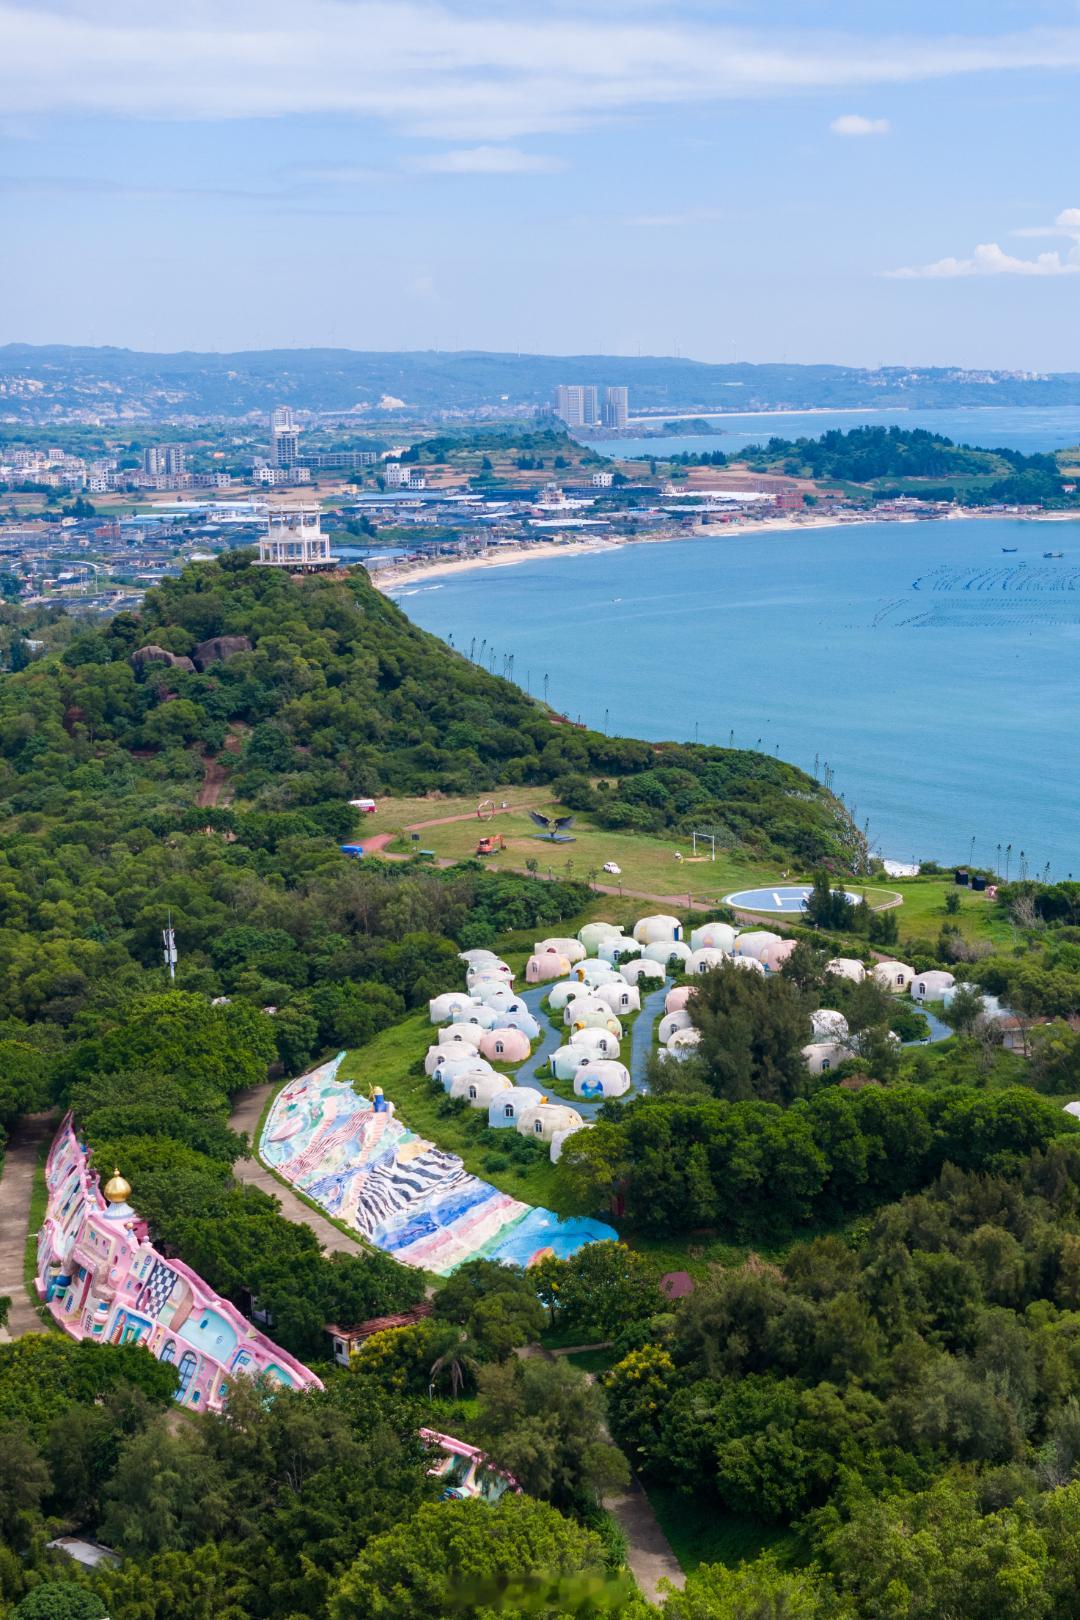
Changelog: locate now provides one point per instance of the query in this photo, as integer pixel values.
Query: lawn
(923, 912)
(701, 1533)
(648, 864)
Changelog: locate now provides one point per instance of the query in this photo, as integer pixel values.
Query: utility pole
(169, 952)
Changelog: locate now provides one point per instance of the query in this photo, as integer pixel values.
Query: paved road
(16, 1185)
(247, 1107)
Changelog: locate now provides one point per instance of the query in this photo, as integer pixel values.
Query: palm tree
(458, 1361)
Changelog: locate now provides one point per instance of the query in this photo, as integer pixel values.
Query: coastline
(392, 578)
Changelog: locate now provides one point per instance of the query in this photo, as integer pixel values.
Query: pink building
(102, 1279)
(465, 1471)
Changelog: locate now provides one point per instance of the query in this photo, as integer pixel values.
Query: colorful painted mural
(361, 1164)
(102, 1278)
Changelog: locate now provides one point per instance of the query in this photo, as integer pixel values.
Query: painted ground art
(369, 1170)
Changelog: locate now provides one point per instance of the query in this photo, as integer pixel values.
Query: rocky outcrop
(160, 655)
(219, 649)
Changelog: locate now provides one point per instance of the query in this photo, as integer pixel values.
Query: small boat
(1053, 554)
(1010, 548)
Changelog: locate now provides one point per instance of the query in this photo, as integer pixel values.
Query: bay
(1027, 428)
(936, 673)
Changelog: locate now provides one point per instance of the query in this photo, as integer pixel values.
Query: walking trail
(16, 1186)
(216, 788)
(648, 1551)
(247, 1110)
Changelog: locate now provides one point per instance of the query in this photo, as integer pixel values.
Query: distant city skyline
(781, 182)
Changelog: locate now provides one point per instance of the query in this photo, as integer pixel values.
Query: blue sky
(810, 180)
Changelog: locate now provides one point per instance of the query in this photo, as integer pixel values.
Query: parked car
(610, 867)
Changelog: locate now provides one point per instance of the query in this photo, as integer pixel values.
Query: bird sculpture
(552, 825)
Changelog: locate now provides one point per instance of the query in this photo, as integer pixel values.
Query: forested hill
(328, 692)
(39, 381)
(891, 460)
(331, 693)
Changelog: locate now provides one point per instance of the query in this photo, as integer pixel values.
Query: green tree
(753, 1029)
(545, 1422)
(467, 1558)
(60, 1600)
(496, 1305)
(755, 1591)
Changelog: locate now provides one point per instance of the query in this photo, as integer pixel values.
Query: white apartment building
(284, 437)
(616, 407)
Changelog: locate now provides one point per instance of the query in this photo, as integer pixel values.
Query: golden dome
(116, 1189)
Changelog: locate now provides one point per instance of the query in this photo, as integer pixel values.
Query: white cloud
(465, 70)
(989, 259)
(1067, 223)
(856, 124)
(486, 160)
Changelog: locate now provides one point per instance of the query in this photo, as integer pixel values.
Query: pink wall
(102, 1279)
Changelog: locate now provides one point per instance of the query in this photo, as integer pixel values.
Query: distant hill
(38, 384)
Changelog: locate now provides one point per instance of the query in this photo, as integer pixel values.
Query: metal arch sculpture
(485, 810)
(553, 826)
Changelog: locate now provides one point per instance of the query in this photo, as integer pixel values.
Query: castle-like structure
(102, 1279)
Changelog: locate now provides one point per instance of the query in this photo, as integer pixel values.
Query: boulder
(219, 649)
(159, 655)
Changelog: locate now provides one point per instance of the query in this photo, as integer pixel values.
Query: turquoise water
(936, 674)
(1026, 428)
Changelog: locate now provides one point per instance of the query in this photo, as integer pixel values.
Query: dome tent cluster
(596, 981)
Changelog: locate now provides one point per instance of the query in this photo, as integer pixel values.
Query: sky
(767, 180)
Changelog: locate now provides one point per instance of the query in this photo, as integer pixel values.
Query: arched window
(508, 1111)
(472, 1093)
(538, 1126)
(186, 1371)
(825, 1064)
(169, 1352)
(899, 978)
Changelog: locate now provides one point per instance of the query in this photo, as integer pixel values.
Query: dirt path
(16, 1186)
(215, 787)
(247, 1109)
(648, 1551)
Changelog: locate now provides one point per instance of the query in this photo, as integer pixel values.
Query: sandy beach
(391, 578)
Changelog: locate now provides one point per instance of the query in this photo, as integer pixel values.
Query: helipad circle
(785, 900)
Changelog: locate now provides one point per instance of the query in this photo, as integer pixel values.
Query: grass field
(648, 864)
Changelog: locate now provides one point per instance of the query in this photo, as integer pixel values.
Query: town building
(616, 407)
(570, 404)
(399, 475)
(344, 1340)
(284, 437)
(338, 460)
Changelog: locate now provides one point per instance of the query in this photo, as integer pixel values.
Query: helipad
(787, 900)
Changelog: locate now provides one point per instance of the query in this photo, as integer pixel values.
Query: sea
(1027, 428)
(929, 670)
